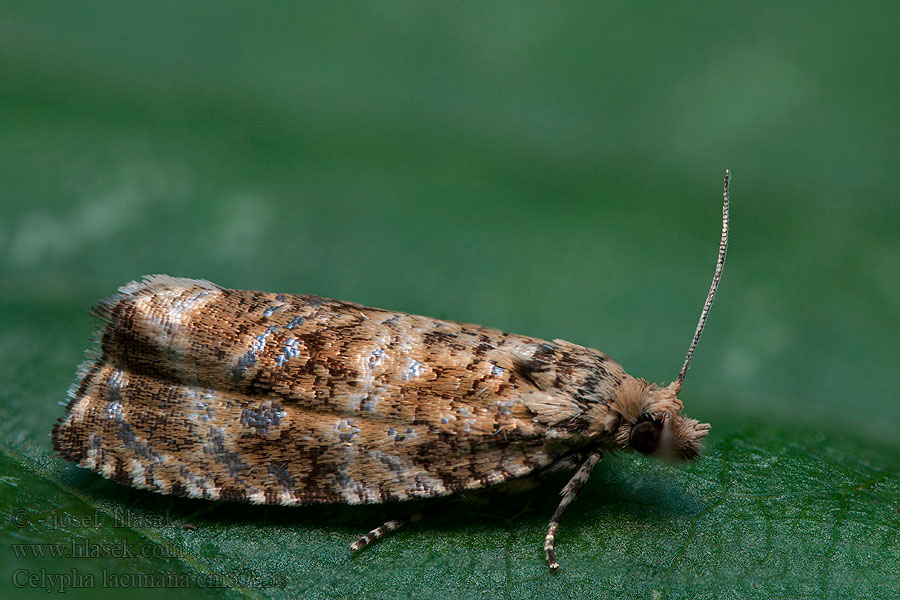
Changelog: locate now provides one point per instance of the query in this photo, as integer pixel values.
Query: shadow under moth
(202, 391)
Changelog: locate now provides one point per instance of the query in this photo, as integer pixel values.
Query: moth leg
(568, 493)
(392, 525)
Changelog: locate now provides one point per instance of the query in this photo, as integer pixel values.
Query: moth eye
(645, 436)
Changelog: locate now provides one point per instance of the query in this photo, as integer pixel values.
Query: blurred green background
(548, 169)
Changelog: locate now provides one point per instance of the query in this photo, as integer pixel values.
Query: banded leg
(568, 493)
(392, 525)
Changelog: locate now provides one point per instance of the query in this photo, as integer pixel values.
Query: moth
(197, 390)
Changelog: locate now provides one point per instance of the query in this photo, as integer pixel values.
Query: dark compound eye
(645, 436)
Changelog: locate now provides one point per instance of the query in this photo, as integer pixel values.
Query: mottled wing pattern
(287, 399)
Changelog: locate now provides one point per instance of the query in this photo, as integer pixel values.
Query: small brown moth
(201, 391)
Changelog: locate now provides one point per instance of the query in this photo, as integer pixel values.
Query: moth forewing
(203, 391)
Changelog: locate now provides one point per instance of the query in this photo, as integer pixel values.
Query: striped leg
(568, 493)
(392, 525)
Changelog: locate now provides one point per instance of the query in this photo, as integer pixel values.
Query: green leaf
(551, 170)
(762, 515)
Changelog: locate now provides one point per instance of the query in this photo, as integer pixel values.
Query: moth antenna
(720, 264)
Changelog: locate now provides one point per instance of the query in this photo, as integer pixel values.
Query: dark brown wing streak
(295, 399)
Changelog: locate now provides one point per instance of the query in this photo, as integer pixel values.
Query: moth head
(650, 422)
